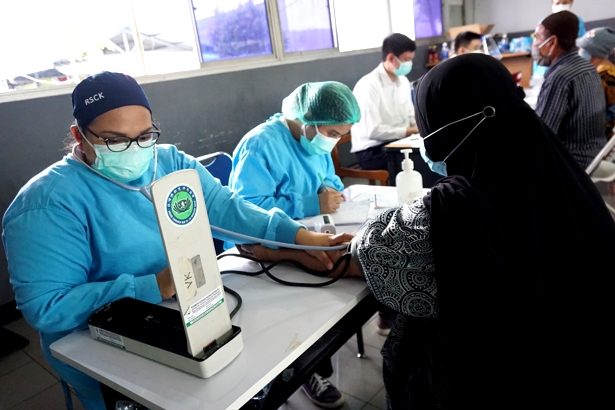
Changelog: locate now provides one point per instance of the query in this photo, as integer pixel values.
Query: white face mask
(319, 145)
(561, 7)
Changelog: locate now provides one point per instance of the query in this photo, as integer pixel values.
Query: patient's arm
(274, 255)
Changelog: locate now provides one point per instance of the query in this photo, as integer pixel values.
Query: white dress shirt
(386, 109)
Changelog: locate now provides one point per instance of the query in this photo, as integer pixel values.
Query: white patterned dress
(396, 256)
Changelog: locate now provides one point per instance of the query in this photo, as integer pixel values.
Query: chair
(600, 170)
(219, 165)
(355, 171)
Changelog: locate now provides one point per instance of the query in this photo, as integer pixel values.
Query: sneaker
(322, 392)
(383, 326)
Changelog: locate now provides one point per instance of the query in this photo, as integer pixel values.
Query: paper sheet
(413, 141)
(385, 201)
(364, 196)
(353, 212)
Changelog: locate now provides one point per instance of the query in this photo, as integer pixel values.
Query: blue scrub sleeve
(49, 255)
(331, 179)
(229, 211)
(261, 189)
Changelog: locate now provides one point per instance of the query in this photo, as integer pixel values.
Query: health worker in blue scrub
(285, 163)
(80, 234)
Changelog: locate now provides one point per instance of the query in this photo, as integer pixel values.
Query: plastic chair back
(372, 176)
(219, 165)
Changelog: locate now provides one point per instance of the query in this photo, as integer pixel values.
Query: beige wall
(521, 15)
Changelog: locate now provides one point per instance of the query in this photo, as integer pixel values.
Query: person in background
(77, 239)
(285, 163)
(386, 107)
(467, 42)
(500, 300)
(571, 99)
(556, 7)
(597, 46)
(566, 5)
(387, 114)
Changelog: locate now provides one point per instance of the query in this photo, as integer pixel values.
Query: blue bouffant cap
(103, 92)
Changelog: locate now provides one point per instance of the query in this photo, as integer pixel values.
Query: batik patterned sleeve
(608, 84)
(396, 255)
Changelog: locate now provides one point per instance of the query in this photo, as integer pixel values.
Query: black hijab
(522, 243)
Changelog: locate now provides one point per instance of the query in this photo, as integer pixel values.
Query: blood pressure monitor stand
(212, 341)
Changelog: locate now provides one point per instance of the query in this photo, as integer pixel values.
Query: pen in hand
(323, 182)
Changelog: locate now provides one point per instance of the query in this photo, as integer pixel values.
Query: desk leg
(360, 345)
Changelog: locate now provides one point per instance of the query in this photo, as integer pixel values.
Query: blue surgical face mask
(124, 166)
(439, 167)
(584, 54)
(319, 145)
(404, 67)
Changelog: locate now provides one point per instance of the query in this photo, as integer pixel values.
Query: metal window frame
(278, 57)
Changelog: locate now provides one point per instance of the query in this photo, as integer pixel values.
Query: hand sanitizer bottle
(409, 182)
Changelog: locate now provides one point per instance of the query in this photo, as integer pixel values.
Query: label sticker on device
(109, 337)
(185, 268)
(203, 307)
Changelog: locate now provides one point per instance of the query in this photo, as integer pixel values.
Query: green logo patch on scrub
(181, 205)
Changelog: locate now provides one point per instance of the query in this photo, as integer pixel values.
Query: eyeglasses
(119, 144)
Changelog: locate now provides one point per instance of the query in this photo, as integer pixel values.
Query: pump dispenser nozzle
(407, 164)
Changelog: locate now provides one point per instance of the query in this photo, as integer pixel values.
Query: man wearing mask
(383, 95)
(571, 99)
(467, 42)
(556, 7)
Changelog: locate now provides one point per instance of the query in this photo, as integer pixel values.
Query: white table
(278, 324)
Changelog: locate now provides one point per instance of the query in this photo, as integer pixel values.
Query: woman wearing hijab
(496, 273)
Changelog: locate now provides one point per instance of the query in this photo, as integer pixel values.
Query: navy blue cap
(103, 92)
